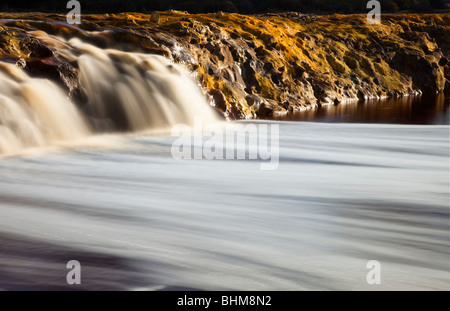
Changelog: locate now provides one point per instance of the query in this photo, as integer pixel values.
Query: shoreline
(253, 66)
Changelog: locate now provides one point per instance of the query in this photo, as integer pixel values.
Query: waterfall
(35, 112)
(124, 91)
(138, 91)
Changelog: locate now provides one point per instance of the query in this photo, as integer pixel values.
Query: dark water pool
(409, 110)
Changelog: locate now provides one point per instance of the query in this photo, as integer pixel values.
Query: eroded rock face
(256, 65)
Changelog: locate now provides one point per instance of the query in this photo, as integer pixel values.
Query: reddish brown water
(408, 110)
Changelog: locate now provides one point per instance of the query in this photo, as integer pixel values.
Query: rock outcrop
(257, 65)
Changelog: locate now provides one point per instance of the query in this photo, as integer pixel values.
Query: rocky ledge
(256, 65)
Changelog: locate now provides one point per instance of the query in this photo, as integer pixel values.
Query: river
(136, 218)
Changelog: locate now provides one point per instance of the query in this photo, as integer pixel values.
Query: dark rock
(61, 72)
(443, 61)
(155, 17)
(265, 110)
(37, 49)
(447, 88)
(219, 99)
(425, 76)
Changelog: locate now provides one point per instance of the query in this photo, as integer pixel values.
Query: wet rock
(21, 63)
(34, 48)
(265, 110)
(425, 76)
(443, 61)
(336, 64)
(447, 87)
(59, 71)
(258, 65)
(155, 17)
(220, 101)
(134, 38)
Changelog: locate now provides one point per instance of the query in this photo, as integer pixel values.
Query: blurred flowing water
(135, 218)
(124, 91)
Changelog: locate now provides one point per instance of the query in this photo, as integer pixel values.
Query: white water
(343, 194)
(148, 90)
(34, 112)
(124, 90)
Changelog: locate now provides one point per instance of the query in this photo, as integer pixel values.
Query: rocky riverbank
(256, 65)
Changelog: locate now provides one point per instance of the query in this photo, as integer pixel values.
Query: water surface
(431, 109)
(135, 218)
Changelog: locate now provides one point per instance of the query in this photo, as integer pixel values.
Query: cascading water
(123, 91)
(34, 112)
(138, 91)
